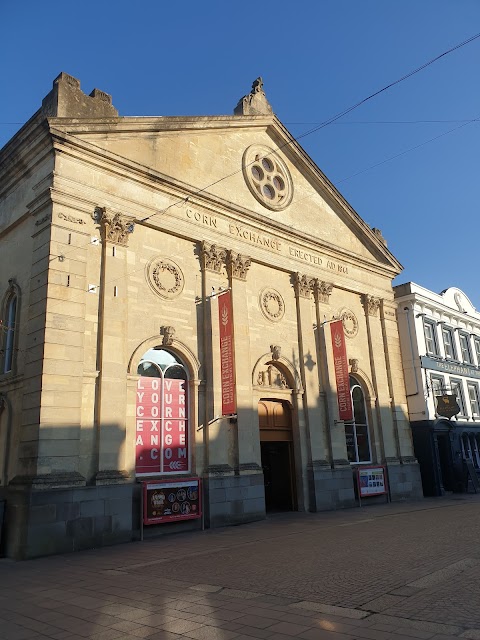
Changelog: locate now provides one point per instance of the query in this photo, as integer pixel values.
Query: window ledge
(6, 379)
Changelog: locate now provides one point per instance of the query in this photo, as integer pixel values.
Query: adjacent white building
(440, 345)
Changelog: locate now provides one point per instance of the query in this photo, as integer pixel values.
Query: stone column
(312, 441)
(322, 291)
(248, 442)
(218, 432)
(378, 366)
(247, 488)
(217, 429)
(111, 400)
(336, 484)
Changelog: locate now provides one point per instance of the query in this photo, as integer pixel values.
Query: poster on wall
(371, 481)
(168, 501)
(342, 378)
(161, 439)
(227, 358)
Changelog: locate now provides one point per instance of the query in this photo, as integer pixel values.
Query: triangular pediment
(215, 157)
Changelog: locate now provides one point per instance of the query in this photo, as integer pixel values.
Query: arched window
(8, 331)
(356, 431)
(162, 411)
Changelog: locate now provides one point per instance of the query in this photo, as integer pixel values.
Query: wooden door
(275, 421)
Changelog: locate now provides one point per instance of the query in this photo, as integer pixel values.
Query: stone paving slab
(386, 572)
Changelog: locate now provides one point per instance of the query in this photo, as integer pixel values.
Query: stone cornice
(23, 153)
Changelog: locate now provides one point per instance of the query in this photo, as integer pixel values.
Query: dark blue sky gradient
(317, 58)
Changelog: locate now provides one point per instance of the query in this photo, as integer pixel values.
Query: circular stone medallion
(350, 322)
(267, 177)
(165, 277)
(272, 304)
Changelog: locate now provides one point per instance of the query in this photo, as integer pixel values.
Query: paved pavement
(386, 572)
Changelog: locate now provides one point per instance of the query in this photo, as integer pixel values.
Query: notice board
(372, 481)
(171, 501)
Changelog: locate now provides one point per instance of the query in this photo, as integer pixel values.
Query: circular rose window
(267, 177)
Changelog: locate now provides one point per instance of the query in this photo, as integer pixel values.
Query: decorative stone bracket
(168, 333)
(353, 362)
(276, 351)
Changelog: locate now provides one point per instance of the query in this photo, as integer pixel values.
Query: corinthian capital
(322, 291)
(371, 304)
(213, 257)
(115, 227)
(238, 265)
(303, 285)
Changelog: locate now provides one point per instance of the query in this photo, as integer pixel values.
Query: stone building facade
(440, 344)
(119, 236)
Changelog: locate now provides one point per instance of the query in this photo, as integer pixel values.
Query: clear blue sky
(317, 58)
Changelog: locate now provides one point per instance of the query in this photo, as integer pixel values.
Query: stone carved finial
(379, 235)
(276, 351)
(168, 333)
(213, 257)
(322, 291)
(303, 285)
(115, 227)
(353, 362)
(238, 265)
(255, 103)
(371, 304)
(257, 85)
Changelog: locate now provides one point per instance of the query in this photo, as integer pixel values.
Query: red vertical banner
(341, 371)
(148, 425)
(175, 426)
(227, 357)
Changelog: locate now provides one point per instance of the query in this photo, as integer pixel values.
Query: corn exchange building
(173, 291)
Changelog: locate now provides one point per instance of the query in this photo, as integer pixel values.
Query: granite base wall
(405, 481)
(49, 521)
(235, 499)
(331, 489)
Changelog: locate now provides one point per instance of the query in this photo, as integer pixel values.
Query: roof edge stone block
(67, 100)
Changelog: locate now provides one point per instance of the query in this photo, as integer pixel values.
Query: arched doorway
(276, 443)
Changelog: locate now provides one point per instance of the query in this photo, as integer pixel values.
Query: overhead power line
(402, 153)
(332, 119)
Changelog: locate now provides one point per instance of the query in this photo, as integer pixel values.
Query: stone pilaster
(111, 348)
(378, 366)
(248, 444)
(339, 457)
(219, 432)
(314, 443)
